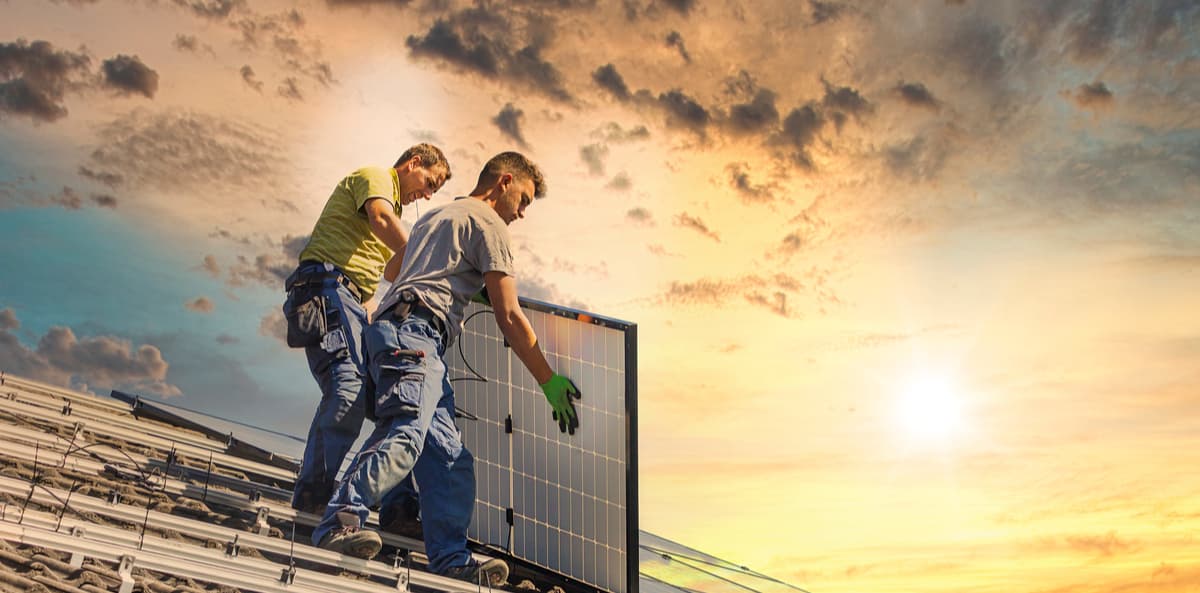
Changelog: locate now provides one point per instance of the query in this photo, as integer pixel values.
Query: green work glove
(559, 390)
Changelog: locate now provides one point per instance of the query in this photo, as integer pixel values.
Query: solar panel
(567, 503)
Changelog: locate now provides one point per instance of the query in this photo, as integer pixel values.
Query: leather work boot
(352, 540)
(494, 570)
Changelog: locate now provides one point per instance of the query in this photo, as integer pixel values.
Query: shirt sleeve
(372, 182)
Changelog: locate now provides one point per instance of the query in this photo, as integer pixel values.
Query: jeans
(415, 433)
(337, 365)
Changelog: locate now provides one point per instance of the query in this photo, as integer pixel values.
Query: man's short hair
(515, 164)
(431, 156)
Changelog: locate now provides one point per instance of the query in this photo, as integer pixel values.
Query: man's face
(515, 199)
(418, 182)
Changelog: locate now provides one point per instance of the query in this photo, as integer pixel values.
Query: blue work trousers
(415, 433)
(337, 365)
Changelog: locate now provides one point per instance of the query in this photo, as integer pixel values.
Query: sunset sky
(916, 283)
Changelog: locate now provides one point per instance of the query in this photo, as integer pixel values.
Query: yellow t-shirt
(343, 237)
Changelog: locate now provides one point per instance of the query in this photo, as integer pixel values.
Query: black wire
(478, 377)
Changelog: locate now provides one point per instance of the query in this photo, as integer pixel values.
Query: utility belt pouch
(304, 311)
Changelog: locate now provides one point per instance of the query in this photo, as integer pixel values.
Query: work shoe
(350, 539)
(494, 570)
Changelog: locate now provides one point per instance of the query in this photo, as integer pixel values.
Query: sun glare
(930, 408)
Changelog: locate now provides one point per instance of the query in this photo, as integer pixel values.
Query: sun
(929, 408)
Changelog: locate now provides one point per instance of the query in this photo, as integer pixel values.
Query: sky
(915, 282)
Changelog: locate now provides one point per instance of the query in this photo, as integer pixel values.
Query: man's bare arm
(385, 224)
(502, 290)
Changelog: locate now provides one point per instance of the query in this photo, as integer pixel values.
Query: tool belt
(306, 310)
(410, 305)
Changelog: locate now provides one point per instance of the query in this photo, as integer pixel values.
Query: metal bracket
(261, 521)
(288, 575)
(125, 571)
(114, 496)
(404, 577)
(77, 556)
(66, 410)
(233, 548)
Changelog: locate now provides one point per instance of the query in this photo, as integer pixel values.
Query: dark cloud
(683, 111)
(844, 102)
(739, 180)
(509, 123)
(612, 133)
(770, 293)
(104, 201)
(176, 150)
(100, 362)
(705, 291)
(1094, 96)
(271, 268)
(759, 115)
(189, 43)
(200, 305)
(978, 48)
(593, 156)
(620, 182)
(687, 221)
(610, 80)
(916, 95)
(640, 216)
(210, 265)
(775, 302)
(36, 78)
(684, 7)
(675, 40)
(800, 129)
(917, 159)
(67, 198)
(212, 9)
(395, 3)
(534, 287)
(129, 75)
(226, 339)
(250, 79)
(112, 180)
(477, 40)
(823, 12)
(1090, 35)
(290, 89)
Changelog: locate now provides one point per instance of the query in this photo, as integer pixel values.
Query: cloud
(1106, 545)
(610, 80)
(290, 89)
(271, 268)
(824, 12)
(675, 40)
(620, 182)
(844, 102)
(683, 111)
(130, 76)
(800, 129)
(274, 325)
(759, 115)
(684, 7)
(36, 78)
(739, 180)
(179, 151)
(200, 305)
(640, 216)
(499, 44)
(110, 179)
(212, 9)
(104, 362)
(509, 123)
(768, 292)
(1091, 33)
(613, 133)
(1095, 96)
(593, 156)
(688, 221)
(250, 79)
(104, 201)
(67, 198)
(916, 159)
(915, 94)
(191, 44)
(210, 265)
(226, 339)
(534, 287)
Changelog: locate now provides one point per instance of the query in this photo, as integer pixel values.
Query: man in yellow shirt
(357, 237)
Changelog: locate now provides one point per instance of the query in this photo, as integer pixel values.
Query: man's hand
(559, 390)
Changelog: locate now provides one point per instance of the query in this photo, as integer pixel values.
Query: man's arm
(502, 290)
(559, 390)
(381, 216)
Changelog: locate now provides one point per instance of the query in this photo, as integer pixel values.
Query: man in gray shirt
(453, 252)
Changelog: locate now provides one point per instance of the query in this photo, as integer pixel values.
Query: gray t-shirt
(448, 252)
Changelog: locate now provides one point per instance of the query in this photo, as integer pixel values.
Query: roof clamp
(66, 410)
(114, 496)
(404, 577)
(77, 556)
(260, 521)
(125, 571)
(287, 576)
(256, 495)
(232, 548)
